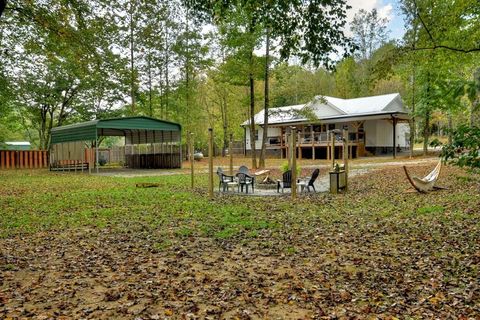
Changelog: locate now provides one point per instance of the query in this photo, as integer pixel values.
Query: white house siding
(272, 132)
(379, 133)
(403, 134)
(370, 128)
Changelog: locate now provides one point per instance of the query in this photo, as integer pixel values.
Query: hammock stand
(428, 182)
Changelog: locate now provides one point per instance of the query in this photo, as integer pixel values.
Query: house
(15, 145)
(376, 125)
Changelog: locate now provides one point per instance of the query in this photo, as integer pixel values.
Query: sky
(389, 9)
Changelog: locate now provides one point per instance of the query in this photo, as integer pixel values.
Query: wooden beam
(394, 123)
(281, 142)
(294, 166)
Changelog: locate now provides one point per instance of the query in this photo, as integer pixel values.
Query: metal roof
(90, 130)
(330, 108)
(363, 105)
(17, 143)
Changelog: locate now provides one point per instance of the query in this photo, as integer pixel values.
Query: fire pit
(266, 182)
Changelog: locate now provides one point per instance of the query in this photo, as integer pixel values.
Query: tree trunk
(474, 113)
(149, 66)
(223, 109)
(3, 4)
(412, 121)
(167, 84)
(252, 113)
(263, 151)
(450, 128)
(187, 64)
(426, 132)
(132, 75)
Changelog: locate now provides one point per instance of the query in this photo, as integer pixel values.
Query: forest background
(216, 63)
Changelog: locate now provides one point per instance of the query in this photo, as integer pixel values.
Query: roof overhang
(400, 116)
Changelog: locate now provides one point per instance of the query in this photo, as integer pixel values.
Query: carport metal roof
(91, 130)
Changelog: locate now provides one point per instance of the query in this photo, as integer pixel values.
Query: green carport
(149, 144)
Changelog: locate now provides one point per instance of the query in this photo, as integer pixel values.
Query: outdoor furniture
(428, 182)
(243, 169)
(286, 181)
(311, 182)
(245, 179)
(225, 181)
(337, 180)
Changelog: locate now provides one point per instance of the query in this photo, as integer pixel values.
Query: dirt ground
(354, 267)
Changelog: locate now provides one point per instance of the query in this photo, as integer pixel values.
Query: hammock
(427, 183)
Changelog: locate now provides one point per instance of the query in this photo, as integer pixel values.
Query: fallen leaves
(376, 252)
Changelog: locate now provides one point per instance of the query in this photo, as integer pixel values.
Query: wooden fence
(25, 159)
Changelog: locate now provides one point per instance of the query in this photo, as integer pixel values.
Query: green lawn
(376, 251)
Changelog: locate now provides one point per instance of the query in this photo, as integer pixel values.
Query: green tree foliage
(369, 32)
(464, 150)
(205, 63)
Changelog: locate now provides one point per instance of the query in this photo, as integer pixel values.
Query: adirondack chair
(224, 180)
(286, 181)
(245, 179)
(311, 182)
(428, 182)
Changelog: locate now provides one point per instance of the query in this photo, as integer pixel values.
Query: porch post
(394, 122)
(281, 142)
(328, 145)
(299, 143)
(96, 150)
(356, 140)
(332, 146)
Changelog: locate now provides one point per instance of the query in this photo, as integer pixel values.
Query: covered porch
(314, 140)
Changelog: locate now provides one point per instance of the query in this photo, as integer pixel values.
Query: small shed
(149, 143)
(15, 145)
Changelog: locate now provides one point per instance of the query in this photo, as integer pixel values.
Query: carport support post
(180, 147)
(294, 164)
(210, 163)
(230, 151)
(190, 153)
(96, 151)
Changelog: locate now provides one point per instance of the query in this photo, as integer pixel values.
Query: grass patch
(431, 209)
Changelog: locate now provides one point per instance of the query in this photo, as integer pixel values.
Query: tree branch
(3, 4)
(447, 48)
(423, 22)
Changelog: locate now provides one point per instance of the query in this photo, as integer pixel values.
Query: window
(256, 135)
(331, 126)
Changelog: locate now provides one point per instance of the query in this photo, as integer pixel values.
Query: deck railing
(319, 138)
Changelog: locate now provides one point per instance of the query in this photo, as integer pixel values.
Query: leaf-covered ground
(77, 246)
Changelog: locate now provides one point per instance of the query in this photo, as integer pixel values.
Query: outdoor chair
(245, 179)
(225, 181)
(286, 181)
(311, 182)
(243, 169)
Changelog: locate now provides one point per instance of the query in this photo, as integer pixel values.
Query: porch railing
(318, 138)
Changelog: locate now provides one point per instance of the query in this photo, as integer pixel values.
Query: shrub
(284, 167)
(464, 151)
